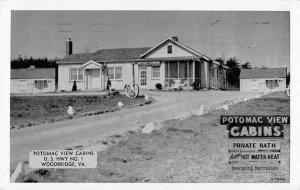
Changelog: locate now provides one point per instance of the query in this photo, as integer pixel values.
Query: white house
(32, 80)
(263, 80)
(169, 60)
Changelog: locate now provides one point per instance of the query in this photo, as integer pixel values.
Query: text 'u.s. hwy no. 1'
(63, 159)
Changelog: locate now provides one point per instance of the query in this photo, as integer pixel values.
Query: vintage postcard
(150, 96)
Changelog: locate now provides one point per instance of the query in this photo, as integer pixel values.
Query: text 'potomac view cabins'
(168, 63)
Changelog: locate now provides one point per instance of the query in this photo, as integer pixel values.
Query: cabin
(263, 80)
(32, 80)
(167, 63)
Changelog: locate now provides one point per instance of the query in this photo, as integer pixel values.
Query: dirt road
(86, 130)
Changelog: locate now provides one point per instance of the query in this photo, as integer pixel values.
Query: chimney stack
(175, 38)
(69, 47)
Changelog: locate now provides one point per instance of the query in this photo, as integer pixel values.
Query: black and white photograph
(149, 96)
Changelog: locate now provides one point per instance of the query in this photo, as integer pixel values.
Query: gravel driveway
(83, 131)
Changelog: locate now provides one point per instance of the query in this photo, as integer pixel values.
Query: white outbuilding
(263, 79)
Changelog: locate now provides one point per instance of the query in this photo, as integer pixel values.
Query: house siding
(30, 88)
(245, 85)
(127, 75)
(151, 82)
(163, 52)
(64, 82)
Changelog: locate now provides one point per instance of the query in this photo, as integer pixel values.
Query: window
(118, 73)
(182, 69)
(173, 69)
(73, 74)
(40, 84)
(115, 73)
(23, 85)
(80, 74)
(76, 74)
(155, 72)
(271, 84)
(111, 72)
(169, 49)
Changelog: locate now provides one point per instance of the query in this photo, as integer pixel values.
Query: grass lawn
(26, 111)
(190, 150)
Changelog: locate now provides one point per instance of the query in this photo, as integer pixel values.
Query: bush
(74, 88)
(113, 93)
(158, 86)
(196, 85)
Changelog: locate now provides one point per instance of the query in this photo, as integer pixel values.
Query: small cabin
(32, 80)
(263, 80)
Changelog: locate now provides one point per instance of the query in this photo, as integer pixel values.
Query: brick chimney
(175, 38)
(69, 47)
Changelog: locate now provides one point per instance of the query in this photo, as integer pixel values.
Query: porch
(93, 76)
(185, 73)
(218, 77)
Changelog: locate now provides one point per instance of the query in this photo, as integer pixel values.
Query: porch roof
(167, 59)
(91, 65)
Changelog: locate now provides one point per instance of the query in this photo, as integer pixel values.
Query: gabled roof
(263, 73)
(126, 54)
(106, 55)
(40, 73)
(170, 39)
(91, 62)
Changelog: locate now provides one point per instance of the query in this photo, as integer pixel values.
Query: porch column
(188, 71)
(103, 77)
(178, 69)
(100, 76)
(193, 70)
(83, 76)
(206, 72)
(168, 74)
(133, 75)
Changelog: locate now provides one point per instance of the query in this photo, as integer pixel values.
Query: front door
(143, 78)
(95, 78)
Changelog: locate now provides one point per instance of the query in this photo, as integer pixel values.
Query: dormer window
(169, 49)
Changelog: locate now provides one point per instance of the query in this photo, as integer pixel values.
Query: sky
(261, 38)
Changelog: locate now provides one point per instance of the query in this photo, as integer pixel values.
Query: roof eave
(101, 61)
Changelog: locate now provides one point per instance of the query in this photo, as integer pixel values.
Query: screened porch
(218, 77)
(184, 71)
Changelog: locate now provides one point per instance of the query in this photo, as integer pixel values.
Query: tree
(246, 65)
(234, 71)
(220, 60)
(37, 62)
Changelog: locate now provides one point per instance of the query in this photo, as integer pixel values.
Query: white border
(236, 5)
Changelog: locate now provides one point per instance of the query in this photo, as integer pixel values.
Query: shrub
(196, 85)
(158, 86)
(74, 88)
(113, 93)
